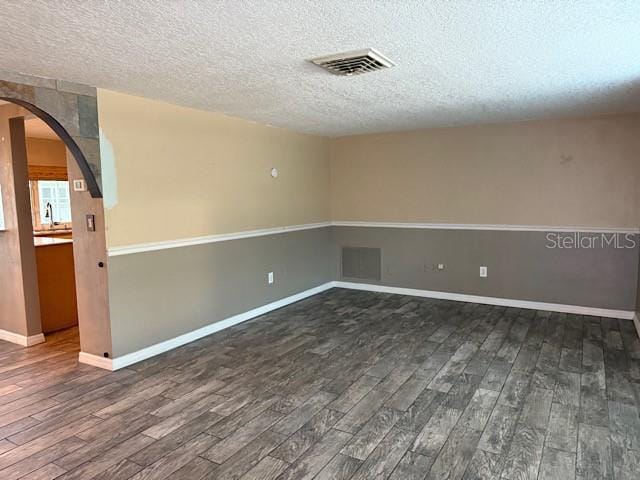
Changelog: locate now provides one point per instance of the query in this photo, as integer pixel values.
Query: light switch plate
(483, 272)
(79, 186)
(270, 278)
(91, 223)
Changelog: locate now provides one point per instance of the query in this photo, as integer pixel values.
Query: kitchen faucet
(49, 215)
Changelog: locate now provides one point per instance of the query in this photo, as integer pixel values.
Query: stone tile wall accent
(73, 106)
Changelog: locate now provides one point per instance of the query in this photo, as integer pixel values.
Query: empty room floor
(345, 384)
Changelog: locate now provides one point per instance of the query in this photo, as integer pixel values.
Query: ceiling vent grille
(354, 63)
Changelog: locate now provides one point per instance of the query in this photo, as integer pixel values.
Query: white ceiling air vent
(354, 63)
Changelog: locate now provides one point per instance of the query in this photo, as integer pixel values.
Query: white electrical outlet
(483, 272)
(270, 278)
(441, 266)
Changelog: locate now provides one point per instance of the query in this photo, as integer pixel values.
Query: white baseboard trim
(25, 341)
(148, 352)
(504, 302)
(636, 322)
(95, 361)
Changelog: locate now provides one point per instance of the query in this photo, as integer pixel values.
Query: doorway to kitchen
(52, 222)
(53, 267)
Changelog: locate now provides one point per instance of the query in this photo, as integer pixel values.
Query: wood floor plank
(160, 448)
(95, 448)
(355, 419)
(132, 400)
(397, 377)
(44, 427)
(196, 469)
(567, 389)
(525, 453)
(562, 433)
(409, 391)
(181, 456)
(315, 459)
(594, 453)
(29, 411)
(479, 409)
(224, 449)
(421, 410)
(48, 472)
(308, 435)
(386, 456)
(268, 468)
(455, 455)
(17, 427)
(355, 393)
(5, 446)
(516, 388)
(571, 360)
(108, 459)
(626, 462)
(557, 465)
(240, 417)
(496, 375)
(484, 466)
(122, 470)
(297, 418)
(182, 402)
(412, 466)
(40, 459)
(248, 457)
(537, 405)
(170, 424)
(371, 434)
(593, 399)
(434, 435)
(341, 467)
(625, 421)
(17, 454)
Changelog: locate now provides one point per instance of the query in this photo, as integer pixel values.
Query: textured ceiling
(458, 62)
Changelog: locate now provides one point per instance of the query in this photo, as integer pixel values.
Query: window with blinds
(51, 204)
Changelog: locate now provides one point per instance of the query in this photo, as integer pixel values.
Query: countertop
(48, 241)
(51, 232)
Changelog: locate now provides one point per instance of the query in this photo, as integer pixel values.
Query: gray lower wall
(156, 296)
(519, 265)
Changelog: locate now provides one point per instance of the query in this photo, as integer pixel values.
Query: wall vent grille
(362, 263)
(354, 63)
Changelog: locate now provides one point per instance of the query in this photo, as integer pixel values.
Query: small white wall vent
(354, 63)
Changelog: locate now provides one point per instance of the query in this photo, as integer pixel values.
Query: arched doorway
(73, 117)
(61, 132)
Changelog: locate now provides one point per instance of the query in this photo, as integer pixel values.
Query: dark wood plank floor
(343, 385)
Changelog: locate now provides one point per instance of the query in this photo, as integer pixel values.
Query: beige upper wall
(45, 152)
(581, 172)
(181, 173)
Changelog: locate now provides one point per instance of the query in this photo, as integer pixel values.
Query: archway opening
(63, 135)
(54, 235)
